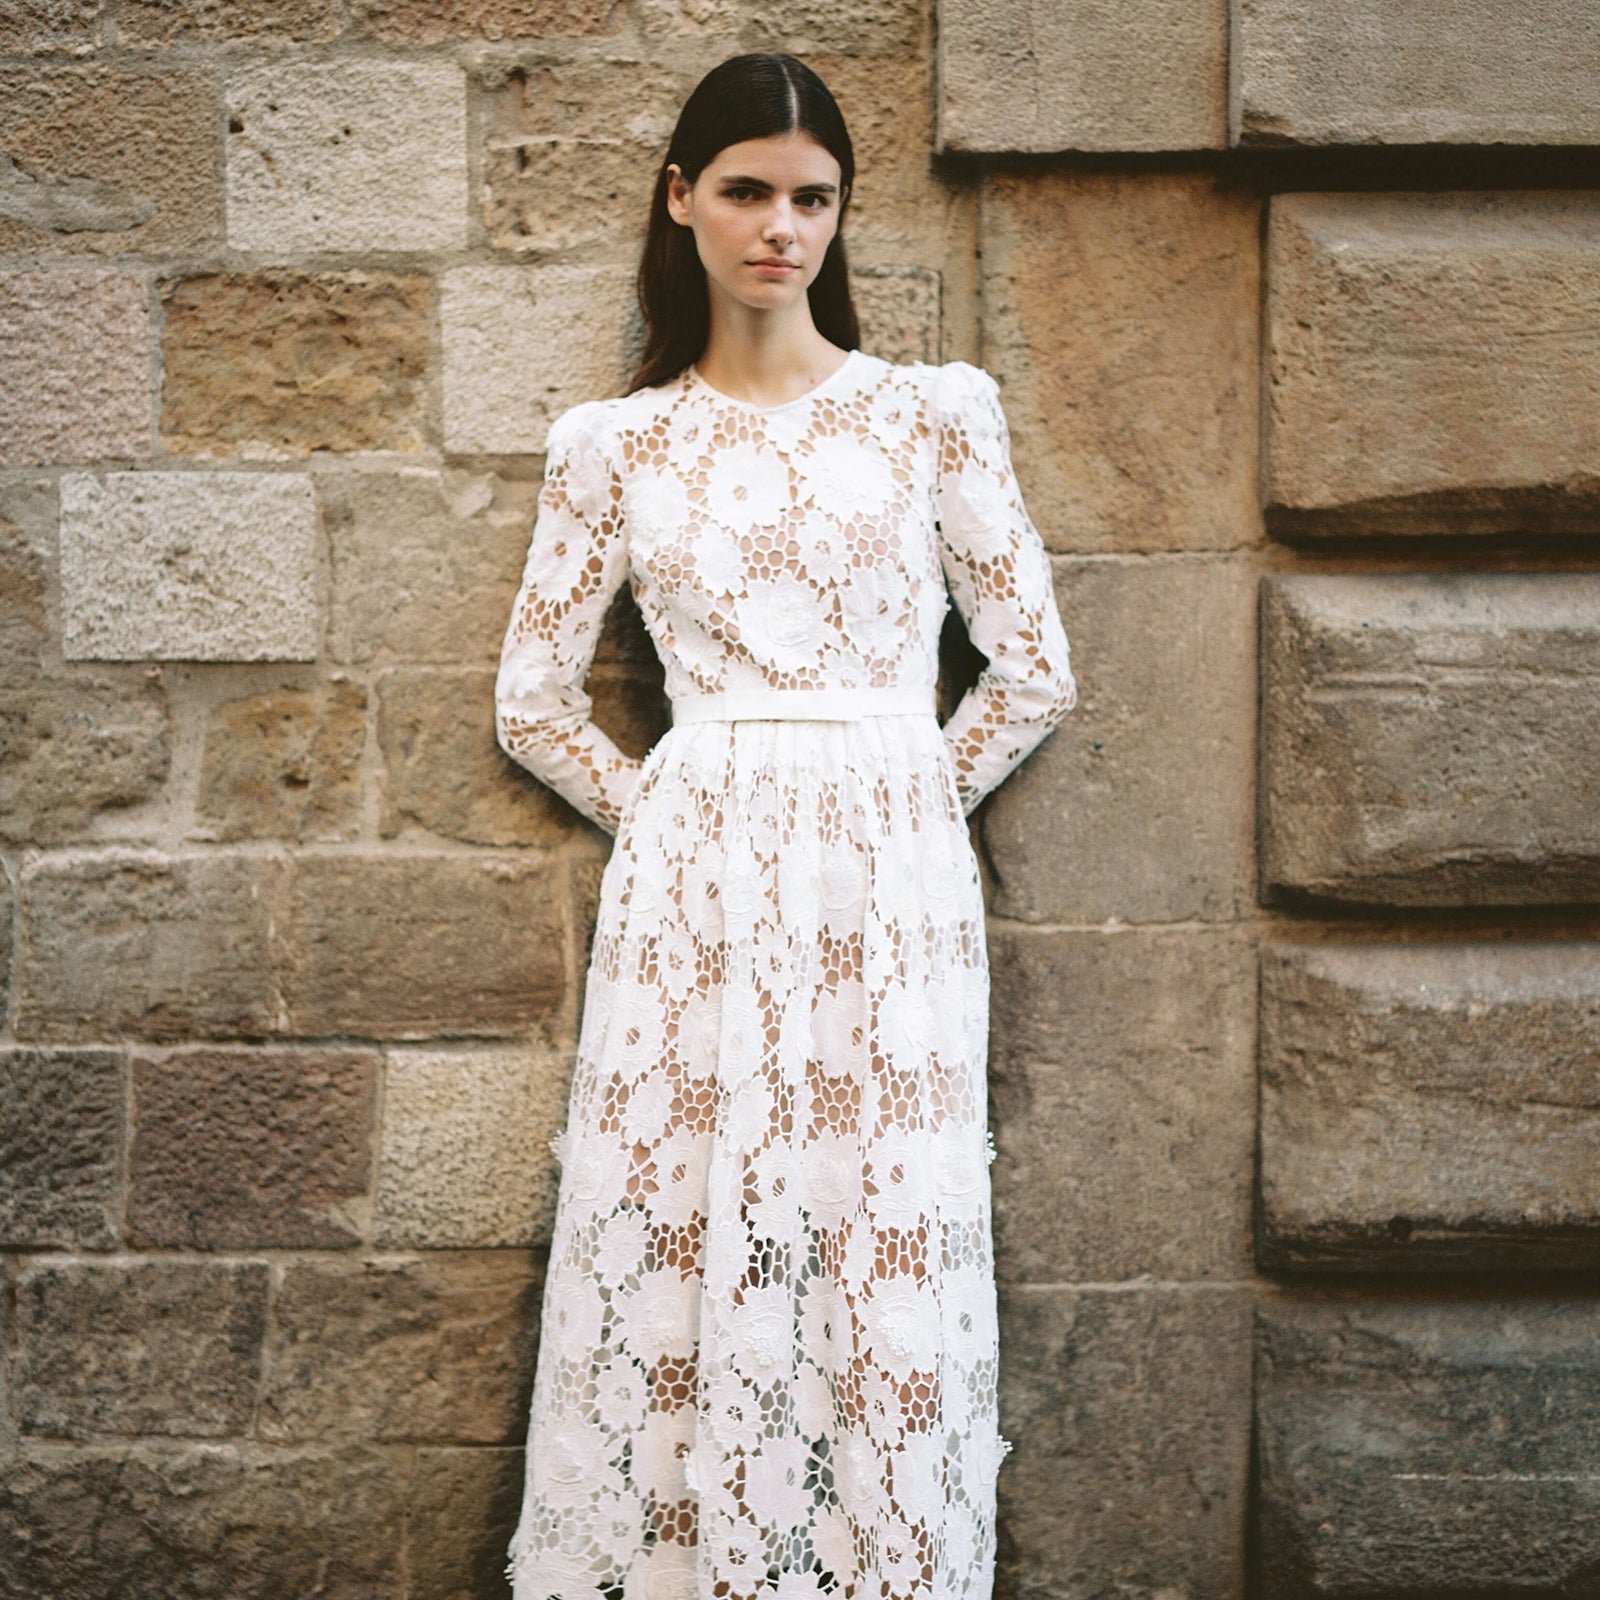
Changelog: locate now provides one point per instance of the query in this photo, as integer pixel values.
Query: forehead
(783, 160)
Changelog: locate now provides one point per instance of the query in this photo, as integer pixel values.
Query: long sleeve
(999, 575)
(577, 560)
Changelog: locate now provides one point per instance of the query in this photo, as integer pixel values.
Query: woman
(768, 1352)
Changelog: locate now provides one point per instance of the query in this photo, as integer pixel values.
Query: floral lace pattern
(768, 1353)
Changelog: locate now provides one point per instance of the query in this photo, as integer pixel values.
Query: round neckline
(782, 405)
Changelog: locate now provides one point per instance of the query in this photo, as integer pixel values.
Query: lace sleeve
(577, 560)
(999, 574)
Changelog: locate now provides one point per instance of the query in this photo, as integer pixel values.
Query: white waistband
(803, 705)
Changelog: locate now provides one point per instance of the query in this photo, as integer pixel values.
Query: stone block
(1431, 739)
(1374, 72)
(465, 1159)
(1430, 1105)
(899, 312)
(1129, 1410)
(1106, 819)
(269, 365)
(1123, 1097)
(433, 1349)
(110, 160)
(1135, 419)
(884, 32)
(250, 1149)
(144, 23)
(1428, 1447)
(436, 21)
(1432, 361)
(75, 350)
(285, 764)
(460, 1516)
(61, 1133)
(8, 909)
(188, 566)
(138, 1347)
(1036, 76)
(347, 155)
(33, 27)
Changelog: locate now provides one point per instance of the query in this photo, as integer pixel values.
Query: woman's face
(760, 200)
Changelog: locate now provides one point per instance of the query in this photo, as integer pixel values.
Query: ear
(677, 194)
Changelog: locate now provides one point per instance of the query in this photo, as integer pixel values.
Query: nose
(779, 230)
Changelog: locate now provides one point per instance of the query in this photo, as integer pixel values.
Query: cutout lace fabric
(769, 1344)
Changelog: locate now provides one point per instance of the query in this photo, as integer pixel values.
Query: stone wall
(1296, 1051)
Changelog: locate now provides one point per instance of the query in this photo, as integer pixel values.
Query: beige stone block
(436, 21)
(465, 1159)
(188, 566)
(347, 155)
(1140, 805)
(276, 364)
(882, 32)
(1432, 363)
(899, 312)
(1038, 76)
(1121, 317)
(463, 1507)
(30, 27)
(164, 22)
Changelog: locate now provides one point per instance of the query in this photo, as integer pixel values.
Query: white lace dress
(768, 1349)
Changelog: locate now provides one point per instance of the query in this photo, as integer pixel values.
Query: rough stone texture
(34, 26)
(7, 919)
(347, 155)
(1430, 1105)
(1123, 1096)
(278, 364)
(1129, 1411)
(1428, 1447)
(60, 1147)
(146, 946)
(465, 1158)
(522, 344)
(241, 1150)
(1385, 72)
(427, 1349)
(1106, 819)
(434, 21)
(417, 946)
(75, 351)
(1431, 739)
(460, 1517)
(1432, 363)
(188, 566)
(216, 1522)
(1034, 75)
(284, 765)
(162, 22)
(148, 1347)
(899, 312)
(1134, 418)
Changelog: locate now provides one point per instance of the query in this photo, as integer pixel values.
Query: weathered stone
(60, 1147)
(418, 946)
(883, 33)
(188, 566)
(147, 946)
(241, 1149)
(1428, 1447)
(434, 21)
(1431, 739)
(145, 1347)
(899, 312)
(210, 1522)
(1123, 1095)
(31, 27)
(1106, 819)
(7, 919)
(278, 364)
(284, 765)
(101, 159)
(1414, 383)
(460, 1517)
(433, 1349)
(1129, 1410)
(522, 344)
(75, 350)
(162, 22)
(1135, 418)
(1384, 72)
(1033, 75)
(465, 1158)
(347, 155)
(1430, 1105)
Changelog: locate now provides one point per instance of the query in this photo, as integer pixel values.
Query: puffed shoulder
(588, 422)
(961, 390)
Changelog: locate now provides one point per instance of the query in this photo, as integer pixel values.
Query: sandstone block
(7, 919)
(435, 21)
(165, 22)
(1413, 385)
(1428, 1447)
(278, 364)
(886, 31)
(460, 1516)
(1431, 740)
(899, 312)
(61, 1128)
(29, 27)
(246, 1149)
(150, 1347)
(347, 155)
(1106, 819)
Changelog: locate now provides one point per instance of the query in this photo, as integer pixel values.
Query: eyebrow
(761, 183)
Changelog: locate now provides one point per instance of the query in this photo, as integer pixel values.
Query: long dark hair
(745, 97)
